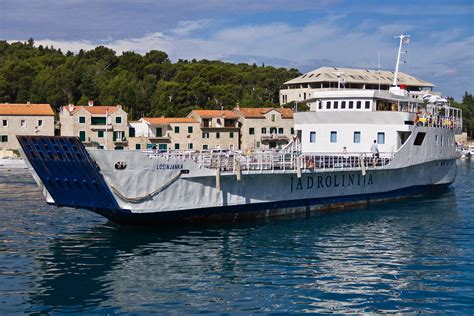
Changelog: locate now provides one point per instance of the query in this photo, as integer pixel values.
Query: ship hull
(255, 211)
(157, 190)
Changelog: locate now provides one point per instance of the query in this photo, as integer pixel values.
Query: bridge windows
(381, 138)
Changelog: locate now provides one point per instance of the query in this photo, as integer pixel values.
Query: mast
(404, 39)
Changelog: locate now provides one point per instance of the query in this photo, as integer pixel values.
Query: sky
(303, 34)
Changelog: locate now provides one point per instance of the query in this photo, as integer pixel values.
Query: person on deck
(375, 152)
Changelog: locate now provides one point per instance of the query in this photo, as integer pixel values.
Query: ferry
(353, 148)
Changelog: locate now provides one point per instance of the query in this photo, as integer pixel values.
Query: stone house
(265, 128)
(164, 133)
(219, 129)
(96, 126)
(24, 119)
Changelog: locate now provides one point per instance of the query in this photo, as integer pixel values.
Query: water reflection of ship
(331, 257)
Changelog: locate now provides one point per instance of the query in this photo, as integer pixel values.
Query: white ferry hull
(143, 193)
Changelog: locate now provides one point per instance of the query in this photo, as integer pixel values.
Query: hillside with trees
(146, 85)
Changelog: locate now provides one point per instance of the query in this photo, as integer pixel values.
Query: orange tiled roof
(94, 110)
(168, 120)
(25, 109)
(260, 112)
(216, 113)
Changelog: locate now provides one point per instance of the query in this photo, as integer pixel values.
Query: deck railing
(276, 161)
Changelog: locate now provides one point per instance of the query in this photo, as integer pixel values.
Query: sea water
(415, 255)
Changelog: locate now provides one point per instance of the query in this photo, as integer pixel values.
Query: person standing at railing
(375, 152)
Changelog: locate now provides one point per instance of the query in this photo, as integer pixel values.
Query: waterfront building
(24, 119)
(219, 129)
(326, 79)
(265, 128)
(164, 133)
(96, 126)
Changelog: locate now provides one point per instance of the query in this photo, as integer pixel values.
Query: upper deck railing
(270, 161)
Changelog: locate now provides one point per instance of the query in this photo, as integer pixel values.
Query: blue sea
(412, 256)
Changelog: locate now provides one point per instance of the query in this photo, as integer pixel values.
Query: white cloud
(326, 39)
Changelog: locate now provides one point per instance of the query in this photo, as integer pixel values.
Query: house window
(273, 117)
(231, 135)
(98, 120)
(176, 129)
(351, 104)
(118, 120)
(205, 147)
(23, 123)
(176, 146)
(159, 132)
(264, 130)
(82, 119)
(4, 138)
(40, 123)
(190, 146)
(343, 104)
(381, 138)
(82, 136)
(328, 105)
(312, 137)
(258, 144)
(118, 136)
(138, 146)
(280, 130)
(218, 135)
(333, 137)
(4, 122)
(205, 135)
(336, 104)
(163, 146)
(292, 131)
(367, 104)
(356, 137)
(131, 132)
(251, 131)
(190, 129)
(359, 104)
(100, 134)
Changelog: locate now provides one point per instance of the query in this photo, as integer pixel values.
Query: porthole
(120, 165)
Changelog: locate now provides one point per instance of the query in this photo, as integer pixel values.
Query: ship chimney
(90, 103)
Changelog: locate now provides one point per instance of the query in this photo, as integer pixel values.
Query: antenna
(379, 71)
(339, 74)
(404, 39)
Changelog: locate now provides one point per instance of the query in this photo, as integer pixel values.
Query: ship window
(333, 137)
(381, 138)
(351, 104)
(336, 104)
(359, 104)
(420, 137)
(312, 137)
(356, 137)
(436, 139)
(320, 105)
(343, 104)
(367, 104)
(328, 105)
(441, 140)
